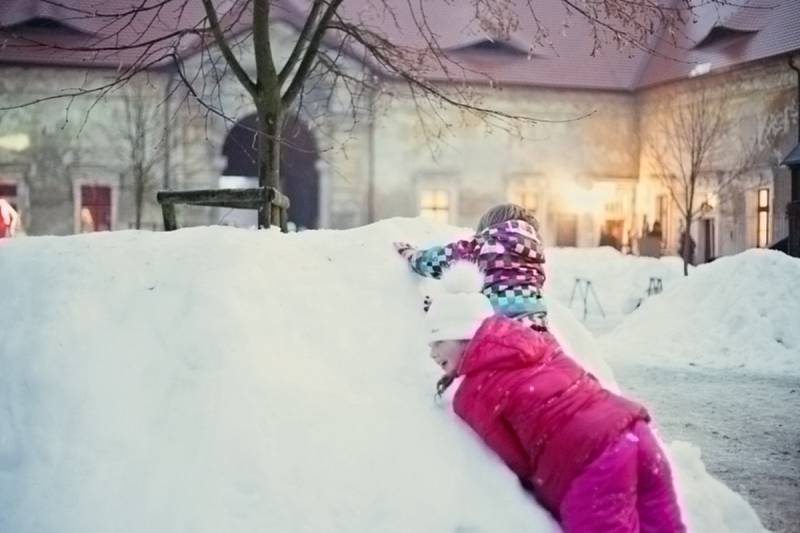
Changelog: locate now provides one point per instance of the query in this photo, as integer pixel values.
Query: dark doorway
(566, 230)
(299, 155)
(707, 240)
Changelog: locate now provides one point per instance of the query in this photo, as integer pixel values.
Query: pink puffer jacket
(536, 408)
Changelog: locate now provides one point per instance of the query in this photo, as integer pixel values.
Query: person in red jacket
(588, 455)
(8, 219)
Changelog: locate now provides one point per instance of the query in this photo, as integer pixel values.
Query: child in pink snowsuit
(588, 455)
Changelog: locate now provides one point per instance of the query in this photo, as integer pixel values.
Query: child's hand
(404, 249)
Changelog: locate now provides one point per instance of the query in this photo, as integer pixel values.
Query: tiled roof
(721, 36)
(766, 28)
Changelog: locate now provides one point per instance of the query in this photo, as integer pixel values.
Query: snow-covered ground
(216, 379)
(745, 423)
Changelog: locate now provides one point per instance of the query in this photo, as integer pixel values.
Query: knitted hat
(457, 313)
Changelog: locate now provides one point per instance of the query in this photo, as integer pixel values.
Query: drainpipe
(371, 160)
(168, 126)
(793, 162)
(797, 69)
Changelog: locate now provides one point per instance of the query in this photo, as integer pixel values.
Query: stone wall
(85, 141)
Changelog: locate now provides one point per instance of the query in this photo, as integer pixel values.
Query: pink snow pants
(628, 489)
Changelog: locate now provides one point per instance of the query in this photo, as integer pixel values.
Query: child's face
(447, 355)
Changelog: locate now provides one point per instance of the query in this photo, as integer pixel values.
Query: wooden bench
(271, 204)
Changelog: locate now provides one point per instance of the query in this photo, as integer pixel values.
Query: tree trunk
(686, 238)
(269, 159)
(138, 195)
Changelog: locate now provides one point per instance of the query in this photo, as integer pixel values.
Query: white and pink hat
(457, 313)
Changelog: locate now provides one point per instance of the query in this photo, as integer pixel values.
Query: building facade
(583, 165)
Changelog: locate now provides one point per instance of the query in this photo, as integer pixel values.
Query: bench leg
(283, 215)
(170, 221)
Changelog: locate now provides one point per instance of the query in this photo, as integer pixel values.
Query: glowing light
(577, 199)
(16, 142)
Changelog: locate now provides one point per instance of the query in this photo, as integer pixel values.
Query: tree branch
(310, 56)
(300, 45)
(227, 52)
(266, 73)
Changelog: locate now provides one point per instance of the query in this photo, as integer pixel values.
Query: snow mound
(619, 281)
(738, 311)
(697, 488)
(215, 379)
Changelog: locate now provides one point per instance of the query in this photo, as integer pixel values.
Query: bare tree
(136, 132)
(328, 33)
(143, 142)
(697, 149)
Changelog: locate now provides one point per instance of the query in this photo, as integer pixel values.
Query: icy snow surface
(216, 379)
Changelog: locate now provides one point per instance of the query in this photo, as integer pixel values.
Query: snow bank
(696, 489)
(620, 281)
(218, 379)
(738, 311)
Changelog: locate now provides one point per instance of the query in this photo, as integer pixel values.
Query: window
(524, 190)
(95, 208)
(435, 205)
(525, 198)
(614, 207)
(762, 222)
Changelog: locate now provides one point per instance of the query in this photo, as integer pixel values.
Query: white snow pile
(738, 311)
(619, 281)
(216, 379)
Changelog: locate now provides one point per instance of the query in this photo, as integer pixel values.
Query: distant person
(651, 244)
(9, 219)
(87, 221)
(587, 454)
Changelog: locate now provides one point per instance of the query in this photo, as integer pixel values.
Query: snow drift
(620, 281)
(738, 311)
(216, 379)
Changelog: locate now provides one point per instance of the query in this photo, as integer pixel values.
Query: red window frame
(97, 199)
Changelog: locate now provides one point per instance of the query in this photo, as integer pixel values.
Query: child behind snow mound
(587, 454)
(508, 250)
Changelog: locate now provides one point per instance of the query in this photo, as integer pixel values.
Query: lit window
(525, 198)
(614, 207)
(762, 229)
(95, 211)
(435, 205)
